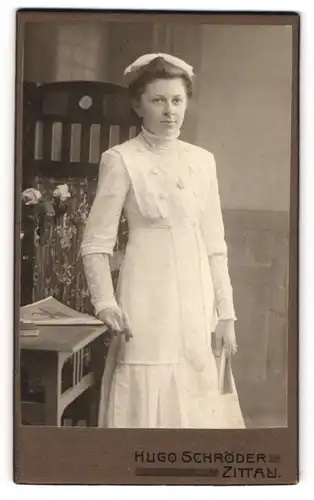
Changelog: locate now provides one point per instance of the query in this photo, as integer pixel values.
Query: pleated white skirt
(165, 396)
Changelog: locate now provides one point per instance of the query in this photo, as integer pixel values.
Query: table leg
(46, 366)
(52, 382)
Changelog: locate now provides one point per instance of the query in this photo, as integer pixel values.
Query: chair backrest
(66, 126)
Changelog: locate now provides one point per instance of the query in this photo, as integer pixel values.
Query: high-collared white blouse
(159, 182)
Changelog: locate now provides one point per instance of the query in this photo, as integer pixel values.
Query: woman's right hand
(116, 320)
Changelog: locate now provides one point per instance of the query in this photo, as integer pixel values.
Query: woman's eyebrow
(162, 95)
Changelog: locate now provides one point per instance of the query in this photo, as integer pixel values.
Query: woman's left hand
(226, 331)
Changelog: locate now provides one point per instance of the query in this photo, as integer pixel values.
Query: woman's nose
(168, 109)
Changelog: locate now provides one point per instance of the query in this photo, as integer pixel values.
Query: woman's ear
(136, 106)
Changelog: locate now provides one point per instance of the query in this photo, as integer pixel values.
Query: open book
(50, 311)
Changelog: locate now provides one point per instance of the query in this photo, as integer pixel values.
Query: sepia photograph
(153, 194)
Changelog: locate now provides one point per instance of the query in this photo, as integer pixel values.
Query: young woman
(174, 287)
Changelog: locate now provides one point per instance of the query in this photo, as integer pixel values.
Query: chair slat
(47, 140)
(85, 143)
(66, 142)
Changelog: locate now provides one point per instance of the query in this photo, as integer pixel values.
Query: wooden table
(69, 362)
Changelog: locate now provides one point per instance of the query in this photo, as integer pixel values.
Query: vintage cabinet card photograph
(156, 237)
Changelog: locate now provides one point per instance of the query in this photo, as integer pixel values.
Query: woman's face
(162, 106)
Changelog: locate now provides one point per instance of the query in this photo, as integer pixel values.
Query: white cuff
(222, 287)
(99, 281)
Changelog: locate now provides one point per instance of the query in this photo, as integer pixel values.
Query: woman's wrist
(112, 304)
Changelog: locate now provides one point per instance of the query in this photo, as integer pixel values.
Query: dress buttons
(180, 184)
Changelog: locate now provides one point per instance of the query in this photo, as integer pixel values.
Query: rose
(61, 192)
(31, 196)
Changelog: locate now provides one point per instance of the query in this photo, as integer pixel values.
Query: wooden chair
(66, 126)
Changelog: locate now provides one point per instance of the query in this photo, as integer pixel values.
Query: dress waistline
(165, 227)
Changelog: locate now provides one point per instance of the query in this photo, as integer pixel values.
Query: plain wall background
(244, 112)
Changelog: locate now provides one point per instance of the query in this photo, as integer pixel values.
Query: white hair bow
(147, 58)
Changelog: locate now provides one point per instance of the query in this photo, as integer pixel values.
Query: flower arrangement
(37, 209)
(60, 197)
(57, 267)
(56, 216)
(31, 196)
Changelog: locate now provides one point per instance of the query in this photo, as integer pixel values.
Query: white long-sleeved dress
(173, 284)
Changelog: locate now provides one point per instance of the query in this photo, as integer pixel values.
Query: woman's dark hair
(158, 68)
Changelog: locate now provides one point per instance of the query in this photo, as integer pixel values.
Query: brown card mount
(71, 105)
